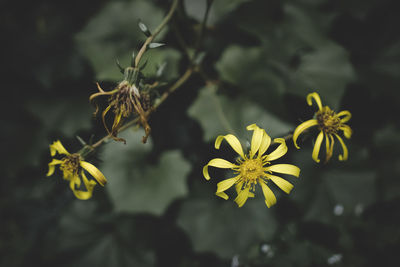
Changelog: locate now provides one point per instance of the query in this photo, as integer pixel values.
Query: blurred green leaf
(218, 115)
(67, 115)
(256, 76)
(134, 184)
(219, 226)
(327, 70)
(219, 9)
(88, 237)
(114, 33)
(351, 188)
(349, 192)
(156, 57)
(296, 55)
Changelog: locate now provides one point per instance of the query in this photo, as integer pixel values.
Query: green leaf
(218, 115)
(155, 45)
(219, 9)
(134, 184)
(251, 70)
(168, 56)
(113, 33)
(144, 28)
(295, 56)
(67, 115)
(351, 188)
(327, 70)
(221, 227)
(89, 237)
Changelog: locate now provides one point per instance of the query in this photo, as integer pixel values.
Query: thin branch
(156, 32)
(163, 97)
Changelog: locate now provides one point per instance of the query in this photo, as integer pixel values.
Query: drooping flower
(253, 168)
(73, 167)
(329, 125)
(124, 100)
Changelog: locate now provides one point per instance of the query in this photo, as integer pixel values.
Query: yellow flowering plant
(329, 124)
(253, 168)
(73, 167)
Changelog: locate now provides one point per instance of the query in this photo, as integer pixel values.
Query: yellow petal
(226, 184)
(345, 151)
(252, 127)
(317, 99)
(317, 146)
(346, 114)
(279, 151)
(346, 130)
(270, 198)
(218, 163)
(117, 119)
(57, 147)
(281, 183)
(238, 187)
(74, 182)
(103, 117)
(329, 141)
(242, 197)
(285, 169)
(82, 195)
(96, 173)
(256, 139)
(52, 166)
(232, 141)
(301, 128)
(266, 141)
(222, 195)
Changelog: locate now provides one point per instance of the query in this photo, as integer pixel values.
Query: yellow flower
(73, 166)
(329, 124)
(253, 168)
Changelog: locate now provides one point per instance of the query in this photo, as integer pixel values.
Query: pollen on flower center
(328, 121)
(71, 163)
(251, 169)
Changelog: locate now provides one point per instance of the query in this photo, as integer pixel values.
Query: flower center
(71, 164)
(328, 121)
(251, 170)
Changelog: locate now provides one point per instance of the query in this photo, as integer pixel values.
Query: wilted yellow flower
(73, 167)
(329, 124)
(254, 167)
(124, 101)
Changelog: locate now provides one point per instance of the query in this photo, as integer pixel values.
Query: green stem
(203, 27)
(156, 32)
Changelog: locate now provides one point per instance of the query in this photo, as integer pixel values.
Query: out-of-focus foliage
(261, 58)
(146, 186)
(219, 115)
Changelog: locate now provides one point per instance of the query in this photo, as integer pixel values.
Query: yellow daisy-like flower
(73, 167)
(329, 124)
(253, 168)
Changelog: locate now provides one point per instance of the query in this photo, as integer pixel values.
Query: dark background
(158, 210)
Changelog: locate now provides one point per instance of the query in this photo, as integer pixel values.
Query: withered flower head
(123, 101)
